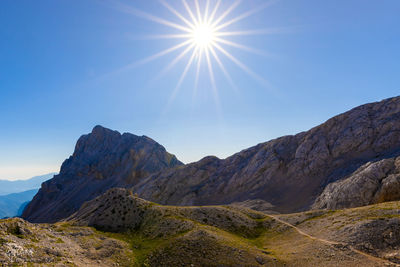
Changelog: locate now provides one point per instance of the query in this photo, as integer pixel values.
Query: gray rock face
(102, 160)
(372, 183)
(289, 172)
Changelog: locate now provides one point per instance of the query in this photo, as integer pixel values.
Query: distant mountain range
(9, 187)
(13, 204)
(15, 195)
(355, 152)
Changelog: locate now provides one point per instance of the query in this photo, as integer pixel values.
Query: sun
(203, 35)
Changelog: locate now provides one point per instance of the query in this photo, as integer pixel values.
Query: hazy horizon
(67, 67)
(24, 178)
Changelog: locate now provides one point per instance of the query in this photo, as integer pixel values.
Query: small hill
(177, 236)
(102, 160)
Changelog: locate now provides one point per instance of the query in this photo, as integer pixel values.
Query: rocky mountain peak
(102, 159)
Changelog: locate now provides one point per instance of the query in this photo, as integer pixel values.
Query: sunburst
(204, 30)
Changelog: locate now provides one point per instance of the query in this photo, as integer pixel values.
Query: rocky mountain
(102, 160)
(292, 171)
(286, 174)
(17, 186)
(373, 182)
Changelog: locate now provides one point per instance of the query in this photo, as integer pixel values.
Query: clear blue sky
(63, 71)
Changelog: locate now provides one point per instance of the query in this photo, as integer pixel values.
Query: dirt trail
(332, 243)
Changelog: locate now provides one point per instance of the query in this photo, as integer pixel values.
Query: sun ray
(213, 84)
(200, 23)
(167, 36)
(176, 60)
(211, 18)
(206, 11)
(148, 59)
(163, 53)
(242, 66)
(196, 80)
(240, 46)
(182, 78)
(226, 13)
(224, 71)
(198, 11)
(251, 32)
(195, 22)
(153, 18)
(179, 15)
(211, 73)
(244, 15)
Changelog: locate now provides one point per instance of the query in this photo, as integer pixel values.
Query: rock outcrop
(26, 244)
(289, 172)
(374, 182)
(102, 160)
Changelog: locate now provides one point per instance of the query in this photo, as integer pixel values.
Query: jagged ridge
(288, 172)
(102, 160)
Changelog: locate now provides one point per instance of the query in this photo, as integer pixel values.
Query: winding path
(332, 243)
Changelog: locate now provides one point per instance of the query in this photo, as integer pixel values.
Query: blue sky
(63, 70)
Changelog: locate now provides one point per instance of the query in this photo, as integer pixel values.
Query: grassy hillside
(121, 228)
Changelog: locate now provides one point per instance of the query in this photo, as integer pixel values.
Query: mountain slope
(289, 172)
(120, 229)
(204, 236)
(11, 205)
(102, 159)
(9, 187)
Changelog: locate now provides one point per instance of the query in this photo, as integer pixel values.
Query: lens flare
(204, 31)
